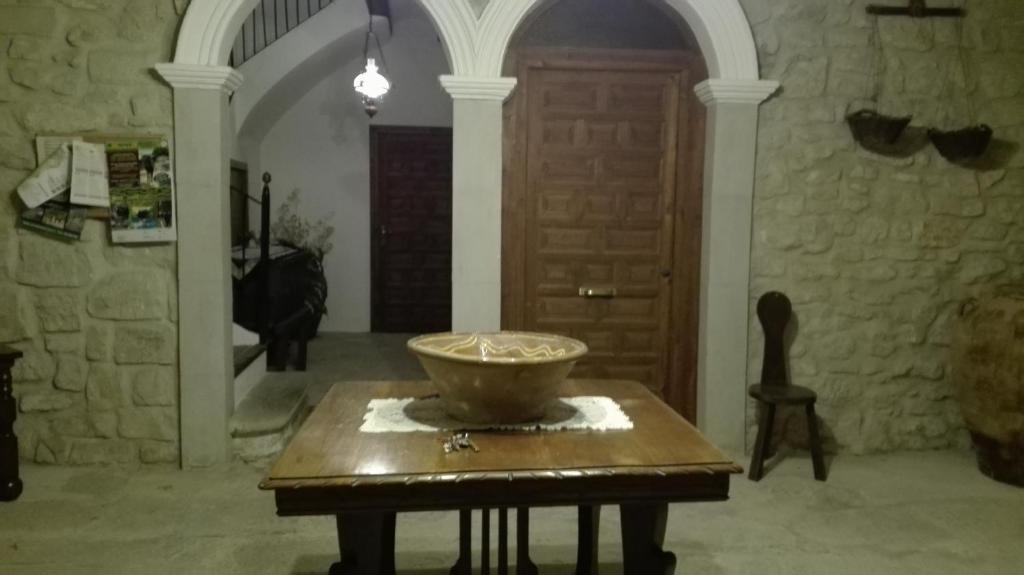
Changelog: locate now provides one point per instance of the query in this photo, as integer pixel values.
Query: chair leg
(817, 455)
(464, 565)
(764, 439)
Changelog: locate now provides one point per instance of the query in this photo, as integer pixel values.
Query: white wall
(297, 61)
(320, 145)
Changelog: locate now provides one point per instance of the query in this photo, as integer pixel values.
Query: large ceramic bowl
(497, 378)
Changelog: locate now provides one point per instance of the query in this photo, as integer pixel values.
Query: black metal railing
(263, 267)
(271, 20)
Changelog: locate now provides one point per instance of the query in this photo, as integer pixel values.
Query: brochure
(50, 179)
(55, 218)
(141, 189)
(89, 175)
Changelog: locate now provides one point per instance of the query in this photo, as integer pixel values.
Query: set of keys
(458, 442)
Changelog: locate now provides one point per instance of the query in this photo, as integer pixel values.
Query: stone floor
(335, 357)
(904, 513)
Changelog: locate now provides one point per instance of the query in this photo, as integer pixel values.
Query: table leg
(464, 565)
(643, 534)
(503, 541)
(523, 564)
(586, 549)
(367, 544)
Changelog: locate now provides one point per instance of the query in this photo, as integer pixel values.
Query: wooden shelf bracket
(916, 9)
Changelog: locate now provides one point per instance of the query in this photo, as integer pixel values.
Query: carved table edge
(270, 483)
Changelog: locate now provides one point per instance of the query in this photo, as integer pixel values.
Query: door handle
(597, 292)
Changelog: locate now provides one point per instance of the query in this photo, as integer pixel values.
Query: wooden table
(330, 468)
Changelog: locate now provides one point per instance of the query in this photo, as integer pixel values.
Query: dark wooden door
(411, 219)
(607, 249)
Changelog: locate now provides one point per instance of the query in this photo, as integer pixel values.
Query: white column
(202, 135)
(476, 200)
(725, 261)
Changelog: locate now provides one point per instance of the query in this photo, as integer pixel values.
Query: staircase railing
(271, 20)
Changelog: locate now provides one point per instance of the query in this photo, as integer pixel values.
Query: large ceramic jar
(988, 370)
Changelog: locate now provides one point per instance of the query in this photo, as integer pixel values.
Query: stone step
(269, 415)
(245, 355)
(250, 377)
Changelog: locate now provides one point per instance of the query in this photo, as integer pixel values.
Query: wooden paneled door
(602, 205)
(411, 226)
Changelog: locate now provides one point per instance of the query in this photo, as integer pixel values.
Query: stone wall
(96, 321)
(877, 252)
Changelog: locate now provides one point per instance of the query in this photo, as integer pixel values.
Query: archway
(732, 95)
(476, 46)
(202, 83)
(720, 26)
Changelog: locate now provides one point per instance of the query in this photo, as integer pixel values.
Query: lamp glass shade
(371, 83)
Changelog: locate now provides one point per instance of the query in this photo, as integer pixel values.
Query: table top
(331, 466)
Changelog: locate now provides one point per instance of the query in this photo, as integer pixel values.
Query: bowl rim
(416, 346)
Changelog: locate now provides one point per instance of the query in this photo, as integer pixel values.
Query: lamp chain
(380, 50)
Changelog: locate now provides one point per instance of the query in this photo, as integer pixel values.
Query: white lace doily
(566, 414)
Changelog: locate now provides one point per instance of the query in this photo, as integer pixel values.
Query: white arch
(477, 48)
(209, 30)
(456, 23)
(210, 26)
(721, 28)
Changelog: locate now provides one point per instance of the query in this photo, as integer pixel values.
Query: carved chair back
(774, 310)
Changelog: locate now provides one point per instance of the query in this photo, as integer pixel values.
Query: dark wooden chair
(10, 482)
(774, 310)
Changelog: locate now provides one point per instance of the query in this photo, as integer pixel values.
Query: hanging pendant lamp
(371, 84)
